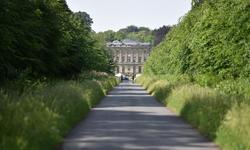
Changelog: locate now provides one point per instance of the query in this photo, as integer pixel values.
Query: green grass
(234, 132)
(221, 113)
(203, 107)
(38, 118)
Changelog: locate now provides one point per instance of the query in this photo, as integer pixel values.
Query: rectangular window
(117, 70)
(139, 59)
(129, 59)
(123, 69)
(140, 70)
(134, 59)
(117, 59)
(123, 58)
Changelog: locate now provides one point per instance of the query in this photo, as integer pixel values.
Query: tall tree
(159, 34)
(196, 2)
(46, 38)
(85, 18)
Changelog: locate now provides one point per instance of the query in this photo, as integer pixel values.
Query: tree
(85, 18)
(130, 29)
(211, 40)
(142, 34)
(47, 39)
(196, 2)
(159, 34)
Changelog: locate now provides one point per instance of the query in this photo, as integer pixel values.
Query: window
(140, 70)
(117, 59)
(139, 59)
(129, 59)
(123, 69)
(123, 58)
(117, 69)
(128, 69)
(134, 59)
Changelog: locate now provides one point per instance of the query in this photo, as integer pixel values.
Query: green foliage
(141, 34)
(210, 45)
(196, 2)
(84, 17)
(159, 34)
(234, 133)
(46, 38)
(161, 86)
(206, 80)
(202, 107)
(213, 38)
(109, 36)
(222, 114)
(38, 118)
(239, 88)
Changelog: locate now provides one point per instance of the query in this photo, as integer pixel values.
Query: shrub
(147, 81)
(211, 39)
(161, 89)
(239, 88)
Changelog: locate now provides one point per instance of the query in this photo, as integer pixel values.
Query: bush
(147, 81)
(39, 119)
(206, 80)
(161, 89)
(239, 88)
(212, 39)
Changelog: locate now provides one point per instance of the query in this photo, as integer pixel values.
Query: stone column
(143, 54)
(120, 55)
(136, 61)
(133, 63)
(126, 55)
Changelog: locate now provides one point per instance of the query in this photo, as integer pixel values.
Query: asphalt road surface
(129, 118)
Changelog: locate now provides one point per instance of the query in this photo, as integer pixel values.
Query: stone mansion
(129, 56)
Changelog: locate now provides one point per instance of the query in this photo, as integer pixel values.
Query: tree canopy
(212, 39)
(44, 38)
(132, 32)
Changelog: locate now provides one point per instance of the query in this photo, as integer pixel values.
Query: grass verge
(38, 118)
(222, 116)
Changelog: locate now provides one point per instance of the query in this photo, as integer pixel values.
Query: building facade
(129, 56)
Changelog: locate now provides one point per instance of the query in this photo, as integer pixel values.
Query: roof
(130, 42)
(126, 43)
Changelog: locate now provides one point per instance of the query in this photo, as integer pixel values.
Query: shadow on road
(134, 120)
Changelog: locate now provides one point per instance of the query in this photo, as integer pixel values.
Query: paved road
(130, 119)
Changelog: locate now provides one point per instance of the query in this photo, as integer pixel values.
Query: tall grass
(234, 132)
(221, 113)
(38, 119)
(203, 107)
